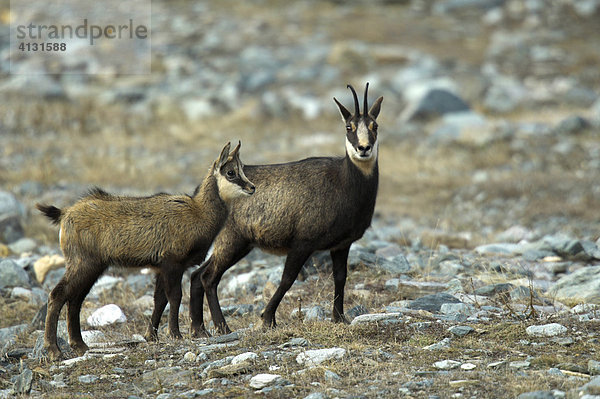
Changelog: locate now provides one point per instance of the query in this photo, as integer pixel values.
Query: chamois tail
(51, 212)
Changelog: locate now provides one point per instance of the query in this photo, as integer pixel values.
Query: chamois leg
(197, 328)
(294, 262)
(172, 287)
(160, 302)
(56, 301)
(85, 282)
(340, 262)
(212, 275)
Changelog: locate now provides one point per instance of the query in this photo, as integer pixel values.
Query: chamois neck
(208, 193)
(364, 171)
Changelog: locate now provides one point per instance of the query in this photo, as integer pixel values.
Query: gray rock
(294, 342)
(331, 377)
(359, 256)
(356, 311)
(461, 308)
(22, 385)
(434, 103)
(497, 248)
(316, 395)
(546, 330)
(39, 352)
(514, 234)
(10, 228)
(313, 313)
(571, 125)
(591, 389)
(432, 303)
(35, 296)
(396, 265)
(383, 318)
(22, 245)
(493, 289)
(446, 364)
(53, 277)
(593, 367)
(260, 381)
(449, 6)
(444, 343)
(591, 249)
(88, 378)
(103, 285)
(389, 251)
(461, 331)
(13, 275)
(163, 377)
(315, 357)
(581, 285)
(537, 395)
(9, 205)
(504, 95)
(519, 364)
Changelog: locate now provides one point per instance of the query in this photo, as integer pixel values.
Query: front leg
(197, 327)
(340, 270)
(172, 284)
(160, 302)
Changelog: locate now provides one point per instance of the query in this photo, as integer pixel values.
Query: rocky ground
(480, 276)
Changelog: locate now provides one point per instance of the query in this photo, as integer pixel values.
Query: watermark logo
(80, 37)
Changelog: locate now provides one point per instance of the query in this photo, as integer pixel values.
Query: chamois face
(361, 132)
(229, 172)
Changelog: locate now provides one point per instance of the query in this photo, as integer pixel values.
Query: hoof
(79, 348)
(151, 335)
(200, 332)
(176, 335)
(54, 353)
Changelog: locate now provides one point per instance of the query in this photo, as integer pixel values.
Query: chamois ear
(236, 151)
(223, 157)
(375, 108)
(345, 113)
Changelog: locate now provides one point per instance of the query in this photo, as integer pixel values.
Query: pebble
(383, 318)
(315, 357)
(546, 330)
(106, 315)
(461, 331)
(260, 381)
(446, 364)
(244, 357)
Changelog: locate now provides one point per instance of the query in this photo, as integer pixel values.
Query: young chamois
(166, 232)
(299, 207)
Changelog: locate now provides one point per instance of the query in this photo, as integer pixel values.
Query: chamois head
(229, 172)
(361, 131)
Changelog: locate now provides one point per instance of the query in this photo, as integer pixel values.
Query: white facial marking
(362, 133)
(364, 164)
(227, 189)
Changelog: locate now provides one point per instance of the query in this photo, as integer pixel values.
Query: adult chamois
(315, 204)
(166, 232)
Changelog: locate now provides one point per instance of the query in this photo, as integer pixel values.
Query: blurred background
(490, 117)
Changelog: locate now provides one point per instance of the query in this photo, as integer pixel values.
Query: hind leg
(293, 263)
(197, 328)
(56, 301)
(228, 250)
(172, 288)
(76, 296)
(160, 302)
